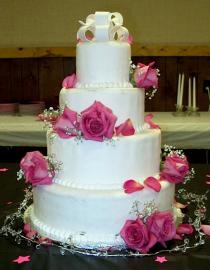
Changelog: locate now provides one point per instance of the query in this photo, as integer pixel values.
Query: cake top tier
(103, 59)
(104, 26)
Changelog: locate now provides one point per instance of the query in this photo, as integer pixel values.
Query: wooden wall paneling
(30, 79)
(203, 74)
(171, 82)
(5, 81)
(69, 65)
(50, 80)
(16, 79)
(188, 66)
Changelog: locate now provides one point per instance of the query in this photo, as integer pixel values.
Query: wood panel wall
(31, 79)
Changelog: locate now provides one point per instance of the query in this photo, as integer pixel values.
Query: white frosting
(125, 103)
(91, 217)
(103, 63)
(107, 165)
(86, 202)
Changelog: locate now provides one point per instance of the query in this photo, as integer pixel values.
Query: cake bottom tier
(91, 218)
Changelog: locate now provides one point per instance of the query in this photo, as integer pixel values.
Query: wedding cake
(100, 183)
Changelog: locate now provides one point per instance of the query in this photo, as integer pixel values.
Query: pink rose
(97, 122)
(69, 81)
(175, 169)
(146, 76)
(136, 236)
(66, 124)
(161, 224)
(35, 168)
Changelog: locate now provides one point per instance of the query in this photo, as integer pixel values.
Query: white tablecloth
(182, 132)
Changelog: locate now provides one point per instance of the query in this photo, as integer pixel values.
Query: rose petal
(153, 183)
(69, 81)
(148, 120)
(126, 128)
(208, 182)
(3, 169)
(130, 39)
(26, 228)
(67, 120)
(185, 229)
(45, 240)
(205, 229)
(178, 237)
(131, 186)
(208, 175)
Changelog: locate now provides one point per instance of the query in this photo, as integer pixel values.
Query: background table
(50, 259)
(182, 132)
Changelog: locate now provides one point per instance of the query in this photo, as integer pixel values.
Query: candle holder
(179, 111)
(189, 110)
(194, 111)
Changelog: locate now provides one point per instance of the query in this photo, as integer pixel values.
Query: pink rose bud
(146, 76)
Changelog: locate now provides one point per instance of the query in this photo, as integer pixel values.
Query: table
(50, 258)
(182, 132)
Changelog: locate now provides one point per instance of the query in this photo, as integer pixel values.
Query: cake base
(92, 218)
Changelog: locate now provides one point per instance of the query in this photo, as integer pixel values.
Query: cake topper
(104, 26)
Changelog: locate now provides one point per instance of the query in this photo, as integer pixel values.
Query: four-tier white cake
(86, 204)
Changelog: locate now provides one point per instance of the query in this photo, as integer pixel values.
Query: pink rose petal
(208, 175)
(131, 186)
(208, 182)
(130, 39)
(205, 229)
(185, 229)
(69, 81)
(125, 129)
(148, 120)
(8, 203)
(178, 237)
(3, 169)
(153, 183)
(45, 240)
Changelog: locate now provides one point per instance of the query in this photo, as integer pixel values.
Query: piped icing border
(104, 85)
